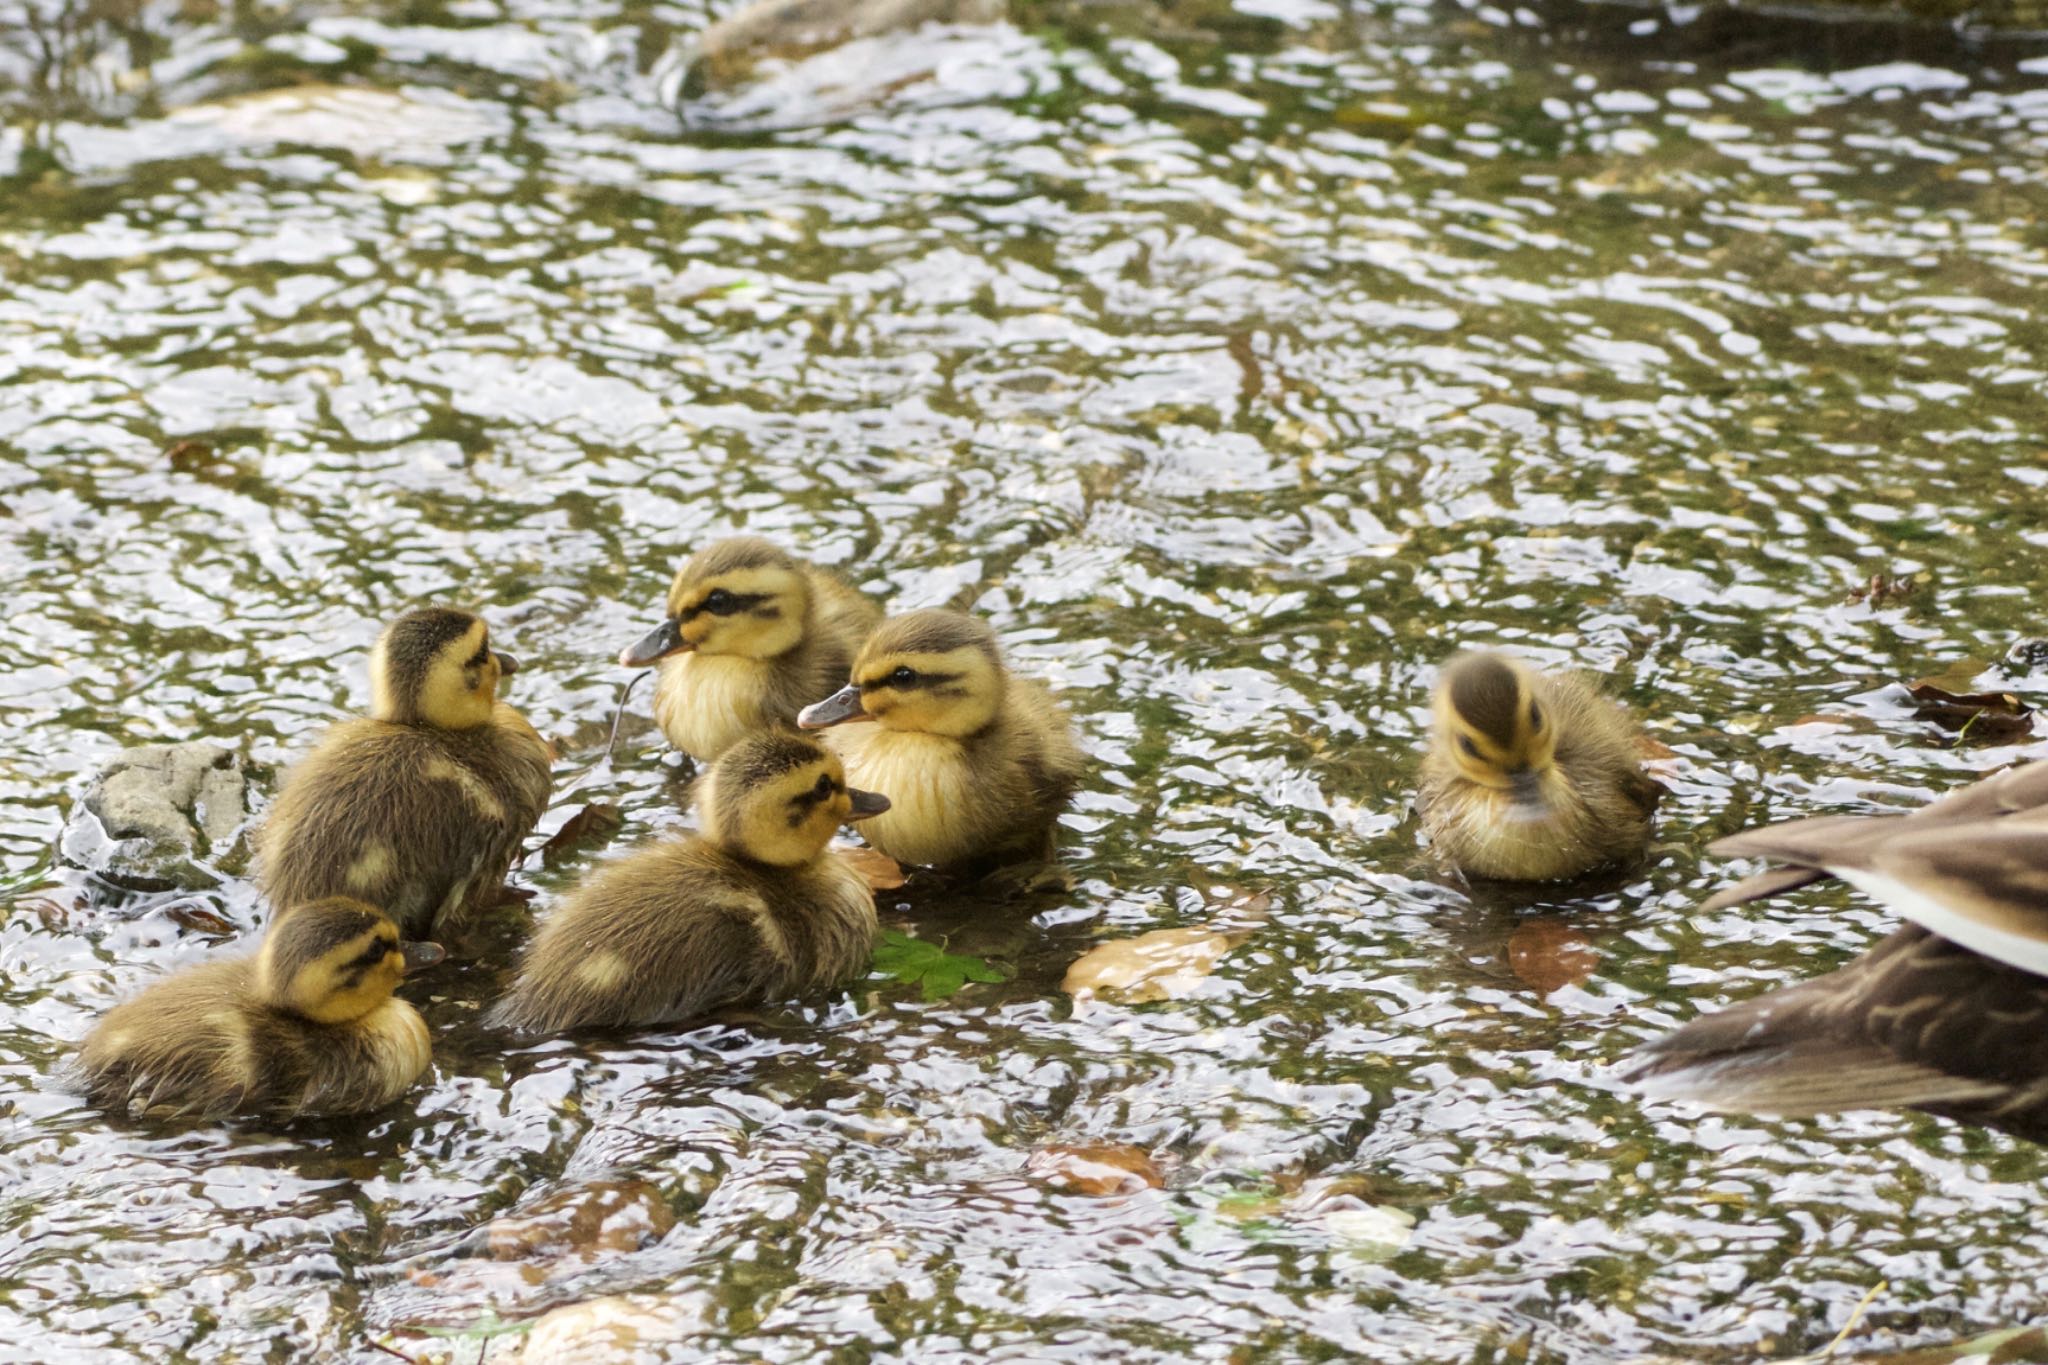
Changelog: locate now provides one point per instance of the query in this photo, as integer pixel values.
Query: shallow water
(1240, 365)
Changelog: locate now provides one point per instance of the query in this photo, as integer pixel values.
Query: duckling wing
(1918, 1022)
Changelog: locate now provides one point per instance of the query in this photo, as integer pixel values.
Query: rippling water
(1240, 364)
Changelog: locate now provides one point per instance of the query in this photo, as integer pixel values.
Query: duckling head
(335, 960)
(936, 671)
(1493, 727)
(435, 666)
(739, 596)
(777, 798)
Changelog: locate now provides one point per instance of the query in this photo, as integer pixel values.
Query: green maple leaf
(938, 973)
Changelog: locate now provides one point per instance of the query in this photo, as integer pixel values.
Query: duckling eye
(904, 676)
(721, 603)
(1535, 717)
(1471, 749)
(824, 787)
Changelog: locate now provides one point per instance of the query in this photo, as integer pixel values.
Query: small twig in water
(619, 712)
(1855, 1317)
(392, 1351)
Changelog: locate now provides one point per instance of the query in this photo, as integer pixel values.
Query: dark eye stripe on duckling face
(723, 602)
(804, 802)
(907, 679)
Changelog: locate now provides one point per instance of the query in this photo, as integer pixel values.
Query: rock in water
(790, 29)
(159, 816)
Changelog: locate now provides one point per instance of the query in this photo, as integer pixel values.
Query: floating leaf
(1651, 750)
(596, 823)
(877, 869)
(1165, 964)
(938, 973)
(1549, 954)
(1101, 1168)
(200, 920)
(1976, 717)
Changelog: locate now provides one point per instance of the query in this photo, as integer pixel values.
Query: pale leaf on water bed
(1548, 954)
(877, 869)
(1165, 964)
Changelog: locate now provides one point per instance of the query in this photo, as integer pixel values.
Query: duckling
(421, 806)
(977, 762)
(308, 1025)
(1949, 1015)
(752, 634)
(752, 907)
(1531, 776)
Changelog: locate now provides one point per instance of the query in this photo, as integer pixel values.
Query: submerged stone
(160, 817)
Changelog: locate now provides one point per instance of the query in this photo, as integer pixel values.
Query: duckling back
(1531, 776)
(421, 820)
(680, 927)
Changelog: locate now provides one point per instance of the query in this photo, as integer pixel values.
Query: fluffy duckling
(1531, 776)
(977, 762)
(752, 633)
(309, 1025)
(1948, 1015)
(752, 907)
(421, 806)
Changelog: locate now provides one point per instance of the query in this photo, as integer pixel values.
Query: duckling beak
(1525, 794)
(419, 954)
(664, 640)
(507, 665)
(865, 803)
(837, 709)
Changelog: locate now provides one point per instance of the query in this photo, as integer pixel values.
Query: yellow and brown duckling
(977, 763)
(751, 907)
(308, 1025)
(1531, 776)
(1948, 1015)
(421, 806)
(752, 634)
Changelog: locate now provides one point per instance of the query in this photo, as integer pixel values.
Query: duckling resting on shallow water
(308, 1025)
(420, 807)
(752, 907)
(1949, 1015)
(1531, 776)
(976, 761)
(752, 634)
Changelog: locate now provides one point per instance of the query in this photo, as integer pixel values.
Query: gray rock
(160, 817)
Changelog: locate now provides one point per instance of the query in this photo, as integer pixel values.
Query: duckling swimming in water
(1949, 1015)
(1531, 776)
(752, 634)
(977, 762)
(421, 806)
(308, 1025)
(752, 907)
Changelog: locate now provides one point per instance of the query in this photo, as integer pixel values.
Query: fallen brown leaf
(1651, 750)
(596, 823)
(1165, 964)
(877, 869)
(1883, 589)
(1101, 1168)
(1548, 954)
(1977, 717)
(200, 920)
(603, 1215)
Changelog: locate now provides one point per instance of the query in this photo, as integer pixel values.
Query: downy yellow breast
(706, 703)
(928, 781)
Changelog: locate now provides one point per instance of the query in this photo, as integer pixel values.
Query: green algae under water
(1240, 364)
